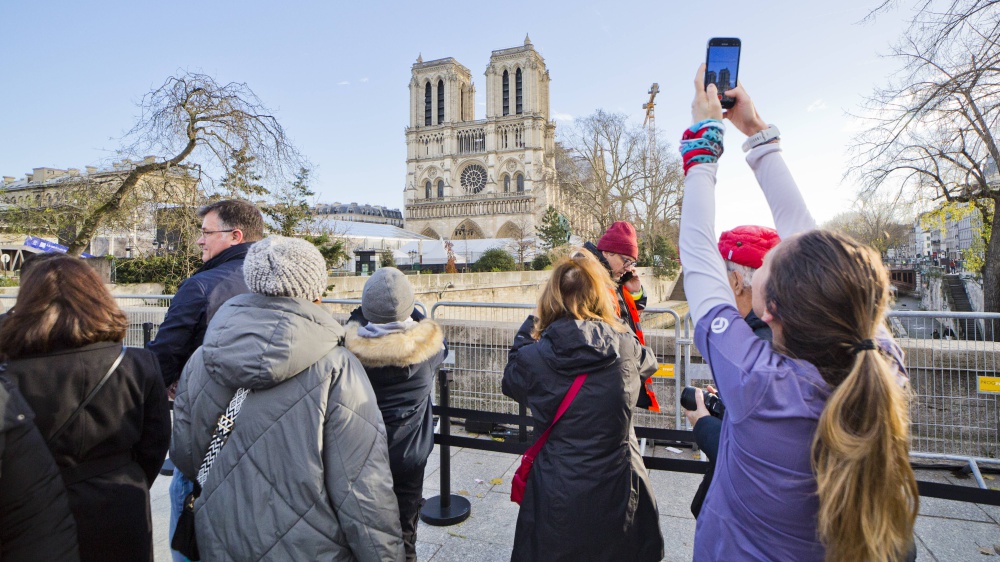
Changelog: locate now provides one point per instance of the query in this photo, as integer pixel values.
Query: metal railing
(949, 357)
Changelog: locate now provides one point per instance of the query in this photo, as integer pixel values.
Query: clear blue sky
(336, 75)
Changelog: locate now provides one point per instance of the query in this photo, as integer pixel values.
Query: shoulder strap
(222, 430)
(87, 400)
(563, 406)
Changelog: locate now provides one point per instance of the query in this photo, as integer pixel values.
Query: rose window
(473, 178)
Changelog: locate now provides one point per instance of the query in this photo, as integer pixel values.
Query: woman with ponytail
(813, 460)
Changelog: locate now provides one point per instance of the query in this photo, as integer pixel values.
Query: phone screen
(723, 66)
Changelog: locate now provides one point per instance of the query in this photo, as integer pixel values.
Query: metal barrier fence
(140, 309)
(480, 334)
(953, 368)
(948, 356)
(345, 306)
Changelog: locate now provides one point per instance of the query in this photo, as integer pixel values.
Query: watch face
(473, 178)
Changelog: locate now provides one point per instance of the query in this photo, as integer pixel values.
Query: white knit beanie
(285, 267)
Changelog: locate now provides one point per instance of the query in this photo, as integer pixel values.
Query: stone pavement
(945, 530)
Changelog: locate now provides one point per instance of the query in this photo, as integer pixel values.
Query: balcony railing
(475, 197)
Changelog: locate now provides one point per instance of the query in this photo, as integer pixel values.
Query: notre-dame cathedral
(485, 178)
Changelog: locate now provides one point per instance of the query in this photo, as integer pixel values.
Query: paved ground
(946, 530)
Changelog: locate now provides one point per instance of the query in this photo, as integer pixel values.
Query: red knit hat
(746, 245)
(620, 239)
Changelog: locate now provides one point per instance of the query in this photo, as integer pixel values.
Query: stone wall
(499, 287)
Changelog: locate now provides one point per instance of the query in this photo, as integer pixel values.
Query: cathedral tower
(488, 178)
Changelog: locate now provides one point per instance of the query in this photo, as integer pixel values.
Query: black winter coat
(198, 298)
(402, 369)
(110, 455)
(588, 496)
(35, 521)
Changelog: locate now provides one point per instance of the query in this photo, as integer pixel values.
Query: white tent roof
(466, 251)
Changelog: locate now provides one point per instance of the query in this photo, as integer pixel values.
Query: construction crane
(650, 121)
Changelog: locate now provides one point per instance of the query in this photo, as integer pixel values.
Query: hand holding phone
(722, 66)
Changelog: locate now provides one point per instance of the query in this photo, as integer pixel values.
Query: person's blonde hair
(830, 294)
(579, 288)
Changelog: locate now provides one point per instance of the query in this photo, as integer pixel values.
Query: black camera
(712, 402)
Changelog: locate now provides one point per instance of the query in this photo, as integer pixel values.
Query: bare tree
(933, 130)
(656, 206)
(604, 167)
(613, 171)
(879, 220)
(192, 118)
(522, 242)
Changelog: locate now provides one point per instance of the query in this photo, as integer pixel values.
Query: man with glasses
(618, 250)
(228, 229)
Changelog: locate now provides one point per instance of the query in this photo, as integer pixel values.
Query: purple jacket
(762, 503)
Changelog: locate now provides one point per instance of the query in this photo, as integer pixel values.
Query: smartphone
(722, 66)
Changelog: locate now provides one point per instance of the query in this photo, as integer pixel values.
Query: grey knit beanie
(387, 297)
(285, 267)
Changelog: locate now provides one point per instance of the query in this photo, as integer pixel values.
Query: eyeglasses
(207, 233)
(626, 262)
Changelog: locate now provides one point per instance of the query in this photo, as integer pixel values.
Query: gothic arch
(510, 230)
(430, 233)
(468, 230)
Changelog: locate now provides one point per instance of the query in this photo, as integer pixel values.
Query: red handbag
(521, 476)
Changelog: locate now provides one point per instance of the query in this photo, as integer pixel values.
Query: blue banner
(46, 246)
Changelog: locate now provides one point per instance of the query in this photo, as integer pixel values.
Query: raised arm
(788, 208)
(705, 281)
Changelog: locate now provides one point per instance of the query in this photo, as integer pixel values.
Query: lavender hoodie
(762, 504)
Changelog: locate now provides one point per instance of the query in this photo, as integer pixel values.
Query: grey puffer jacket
(305, 473)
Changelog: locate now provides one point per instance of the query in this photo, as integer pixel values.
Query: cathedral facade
(469, 178)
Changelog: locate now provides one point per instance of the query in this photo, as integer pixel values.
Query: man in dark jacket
(743, 249)
(35, 520)
(618, 250)
(228, 229)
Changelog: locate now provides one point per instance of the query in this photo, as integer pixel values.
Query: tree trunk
(96, 218)
(991, 273)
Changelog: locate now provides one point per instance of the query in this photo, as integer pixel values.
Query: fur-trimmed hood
(415, 345)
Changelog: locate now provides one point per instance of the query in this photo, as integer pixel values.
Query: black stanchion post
(446, 509)
(147, 333)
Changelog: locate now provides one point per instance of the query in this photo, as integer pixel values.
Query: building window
(520, 182)
(473, 178)
(427, 189)
(440, 188)
(517, 86)
(440, 101)
(506, 93)
(427, 104)
(506, 183)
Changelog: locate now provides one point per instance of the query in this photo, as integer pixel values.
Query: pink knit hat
(747, 245)
(620, 239)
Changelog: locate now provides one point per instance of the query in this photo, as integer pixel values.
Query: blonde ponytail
(868, 496)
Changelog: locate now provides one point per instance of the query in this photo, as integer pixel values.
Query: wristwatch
(763, 137)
